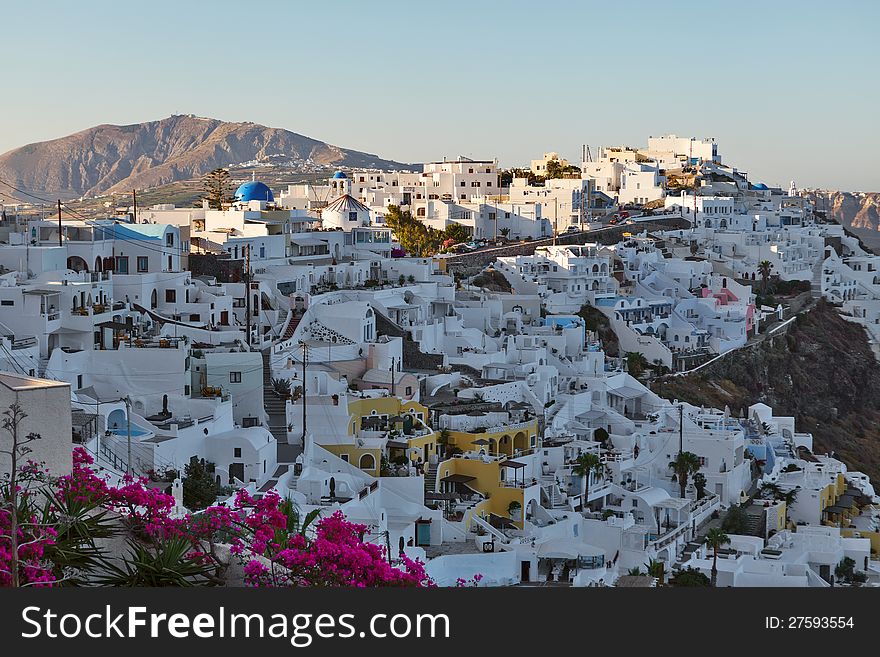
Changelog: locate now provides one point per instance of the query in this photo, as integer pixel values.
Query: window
(344, 457)
(462, 183)
(122, 264)
(235, 377)
(169, 239)
(236, 453)
(143, 264)
(7, 302)
(170, 296)
(409, 390)
(352, 216)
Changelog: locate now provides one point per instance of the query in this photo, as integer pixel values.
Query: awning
(568, 548)
(396, 444)
(457, 479)
(627, 392)
(308, 241)
(481, 441)
(512, 464)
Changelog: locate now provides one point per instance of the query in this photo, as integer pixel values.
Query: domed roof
(759, 186)
(340, 174)
(254, 191)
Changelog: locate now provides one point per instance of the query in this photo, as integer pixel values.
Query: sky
(787, 88)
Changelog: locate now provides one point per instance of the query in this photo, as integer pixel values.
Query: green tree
(504, 232)
(587, 464)
(414, 236)
(700, 485)
(656, 568)
(764, 269)
(716, 538)
(635, 363)
(555, 169)
(199, 487)
(690, 577)
(735, 521)
(217, 187)
(457, 232)
(845, 569)
(684, 465)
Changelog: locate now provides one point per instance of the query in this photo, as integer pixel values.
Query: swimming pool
(135, 431)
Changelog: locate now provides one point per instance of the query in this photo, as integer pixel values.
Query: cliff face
(850, 209)
(822, 372)
(111, 158)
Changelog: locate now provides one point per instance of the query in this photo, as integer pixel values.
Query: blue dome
(759, 186)
(254, 191)
(339, 174)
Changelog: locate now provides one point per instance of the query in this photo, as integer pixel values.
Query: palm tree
(684, 465)
(715, 538)
(764, 268)
(585, 465)
(656, 568)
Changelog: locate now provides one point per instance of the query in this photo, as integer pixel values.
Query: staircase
(274, 405)
(755, 524)
(430, 477)
(552, 492)
(292, 323)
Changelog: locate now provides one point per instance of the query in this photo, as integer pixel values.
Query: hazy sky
(788, 89)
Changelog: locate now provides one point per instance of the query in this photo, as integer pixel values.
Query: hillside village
(336, 342)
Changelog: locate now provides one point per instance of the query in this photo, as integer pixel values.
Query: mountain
(859, 210)
(112, 158)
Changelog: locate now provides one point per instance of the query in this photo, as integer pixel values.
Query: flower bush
(266, 536)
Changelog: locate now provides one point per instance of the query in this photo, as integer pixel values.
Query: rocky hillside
(859, 210)
(821, 371)
(112, 158)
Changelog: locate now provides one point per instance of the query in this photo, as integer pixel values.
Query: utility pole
(247, 290)
(392, 374)
(305, 361)
(59, 223)
(555, 219)
(680, 429)
(127, 401)
(134, 196)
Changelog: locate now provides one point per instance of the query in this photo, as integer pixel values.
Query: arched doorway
(367, 462)
(98, 264)
(154, 300)
(77, 264)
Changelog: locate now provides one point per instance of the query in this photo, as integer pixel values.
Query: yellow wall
(488, 482)
(874, 536)
(464, 440)
(358, 408)
(354, 456)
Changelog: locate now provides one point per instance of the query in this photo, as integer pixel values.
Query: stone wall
(470, 264)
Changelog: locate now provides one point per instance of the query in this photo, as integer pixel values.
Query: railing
(24, 343)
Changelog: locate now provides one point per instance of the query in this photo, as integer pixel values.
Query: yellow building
(507, 439)
(487, 477)
(370, 417)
